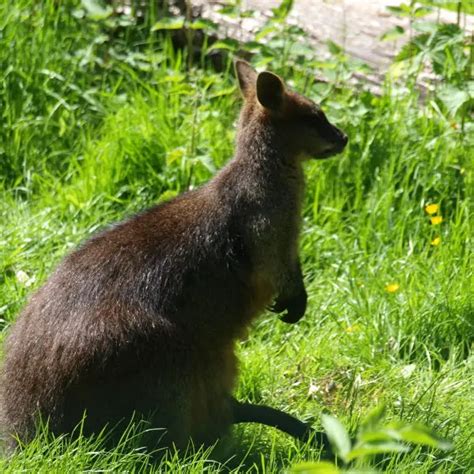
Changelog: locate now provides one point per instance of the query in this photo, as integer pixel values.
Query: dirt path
(354, 24)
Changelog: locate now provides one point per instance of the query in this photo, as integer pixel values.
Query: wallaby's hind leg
(249, 413)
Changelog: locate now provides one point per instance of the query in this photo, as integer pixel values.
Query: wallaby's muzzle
(335, 143)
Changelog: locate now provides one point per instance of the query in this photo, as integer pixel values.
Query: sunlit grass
(90, 137)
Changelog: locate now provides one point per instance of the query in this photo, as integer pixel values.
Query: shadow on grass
(248, 449)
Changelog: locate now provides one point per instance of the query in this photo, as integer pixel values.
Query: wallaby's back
(135, 320)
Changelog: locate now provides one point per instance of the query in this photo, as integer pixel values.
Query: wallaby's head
(301, 127)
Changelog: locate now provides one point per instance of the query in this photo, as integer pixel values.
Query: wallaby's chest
(272, 233)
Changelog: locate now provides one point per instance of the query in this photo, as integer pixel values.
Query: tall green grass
(101, 120)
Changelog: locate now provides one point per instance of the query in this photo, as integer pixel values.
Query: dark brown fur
(143, 318)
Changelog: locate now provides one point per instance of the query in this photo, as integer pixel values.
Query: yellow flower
(436, 241)
(353, 328)
(432, 209)
(435, 220)
(392, 287)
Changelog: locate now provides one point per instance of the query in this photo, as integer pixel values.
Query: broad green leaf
(453, 98)
(334, 48)
(175, 23)
(203, 24)
(267, 30)
(95, 10)
(256, 47)
(393, 34)
(228, 44)
(229, 10)
(410, 50)
(424, 26)
(395, 10)
(419, 434)
(379, 448)
(420, 12)
(402, 10)
(323, 467)
(378, 436)
(337, 435)
(301, 49)
(373, 418)
(283, 10)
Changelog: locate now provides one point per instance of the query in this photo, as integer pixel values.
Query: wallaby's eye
(314, 120)
(317, 118)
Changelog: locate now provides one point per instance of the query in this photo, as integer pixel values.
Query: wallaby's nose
(344, 139)
(340, 138)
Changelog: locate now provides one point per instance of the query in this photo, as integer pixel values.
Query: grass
(100, 121)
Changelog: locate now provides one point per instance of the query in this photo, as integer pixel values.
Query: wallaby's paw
(295, 307)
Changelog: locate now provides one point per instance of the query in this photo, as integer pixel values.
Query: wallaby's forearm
(249, 413)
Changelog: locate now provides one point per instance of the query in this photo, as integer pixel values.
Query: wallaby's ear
(246, 75)
(270, 90)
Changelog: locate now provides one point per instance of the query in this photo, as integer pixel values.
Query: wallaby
(142, 319)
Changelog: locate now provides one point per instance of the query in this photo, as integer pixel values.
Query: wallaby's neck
(260, 145)
(263, 167)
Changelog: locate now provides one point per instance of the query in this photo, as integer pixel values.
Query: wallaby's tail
(248, 413)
